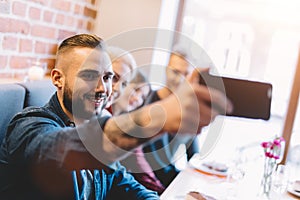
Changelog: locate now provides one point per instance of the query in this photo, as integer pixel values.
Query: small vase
(266, 180)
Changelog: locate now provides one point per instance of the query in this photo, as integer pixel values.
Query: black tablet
(251, 99)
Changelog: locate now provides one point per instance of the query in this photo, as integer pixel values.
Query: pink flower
(276, 157)
(265, 144)
(277, 142)
(269, 155)
(273, 149)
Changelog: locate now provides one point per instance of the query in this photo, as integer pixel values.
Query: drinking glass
(234, 176)
(280, 179)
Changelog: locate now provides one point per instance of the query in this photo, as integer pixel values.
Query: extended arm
(187, 110)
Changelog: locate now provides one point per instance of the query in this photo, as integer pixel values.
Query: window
(231, 49)
(250, 39)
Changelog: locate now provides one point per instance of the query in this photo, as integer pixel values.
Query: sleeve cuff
(102, 121)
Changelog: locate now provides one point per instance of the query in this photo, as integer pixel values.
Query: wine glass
(235, 175)
(280, 179)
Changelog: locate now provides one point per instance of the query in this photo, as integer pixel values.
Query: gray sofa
(16, 96)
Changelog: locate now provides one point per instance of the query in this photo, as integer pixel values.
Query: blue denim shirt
(43, 157)
(159, 153)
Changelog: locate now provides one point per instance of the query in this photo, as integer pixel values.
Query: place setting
(294, 189)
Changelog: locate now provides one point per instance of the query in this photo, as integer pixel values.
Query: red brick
(61, 5)
(87, 2)
(34, 13)
(19, 62)
(18, 26)
(10, 43)
(6, 74)
(19, 9)
(78, 9)
(43, 31)
(4, 25)
(52, 48)
(89, 25)
(48, 16)
(40, 47)
(42, 2)
(89, 12)
(50, 64)
(60, 19)
(25, 45)
(69, 21)
(3, 62)
(81, 24)
(62, 34)
(14, 26)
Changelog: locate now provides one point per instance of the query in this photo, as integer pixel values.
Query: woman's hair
(116, 53)
(138, 78)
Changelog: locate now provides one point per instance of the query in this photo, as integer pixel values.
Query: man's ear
(57, 78)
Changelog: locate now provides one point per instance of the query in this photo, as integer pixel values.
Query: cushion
(12, 98)
(38, 93)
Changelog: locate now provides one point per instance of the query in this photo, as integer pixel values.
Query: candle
(35, 73)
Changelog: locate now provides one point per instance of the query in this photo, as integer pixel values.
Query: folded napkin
(198, 196)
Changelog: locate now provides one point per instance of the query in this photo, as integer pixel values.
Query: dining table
(238, 148)
(194, 179)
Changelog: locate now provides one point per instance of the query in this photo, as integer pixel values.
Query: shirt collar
(55, 107)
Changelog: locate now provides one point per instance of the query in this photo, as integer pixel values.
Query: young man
(70, 143)
(43, 147)
(160, 153)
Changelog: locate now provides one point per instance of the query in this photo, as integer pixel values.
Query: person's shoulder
(27, 124)
(152, 97)
(34, 111)
(35, 114)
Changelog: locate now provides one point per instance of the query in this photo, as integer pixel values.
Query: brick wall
(31, 29)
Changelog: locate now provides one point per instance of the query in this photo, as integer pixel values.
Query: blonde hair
(116, 54)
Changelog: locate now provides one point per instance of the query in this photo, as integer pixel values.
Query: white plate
(292, 191)
(198, 165)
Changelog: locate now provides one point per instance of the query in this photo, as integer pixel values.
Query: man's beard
(67, 98)
(76, 107)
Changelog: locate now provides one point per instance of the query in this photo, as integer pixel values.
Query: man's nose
(100, 87)
(134, 100)
(116, 86)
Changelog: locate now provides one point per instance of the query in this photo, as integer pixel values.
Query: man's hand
(188, 109)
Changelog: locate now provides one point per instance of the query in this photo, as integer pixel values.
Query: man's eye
(124, 84)
(107, 77)
(116, 78)
(178, 73)
(89, 76)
